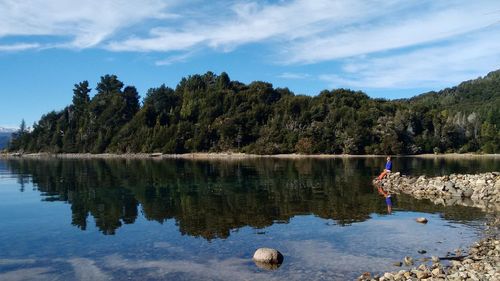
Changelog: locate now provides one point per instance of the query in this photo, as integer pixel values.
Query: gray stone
(422, 220)
(268, 255)
(468, 192)
(449, 186)
(458, 193)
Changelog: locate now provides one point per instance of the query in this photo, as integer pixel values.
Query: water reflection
(387, 197)
(208, 199)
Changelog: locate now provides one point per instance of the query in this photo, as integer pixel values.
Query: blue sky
(389, 49)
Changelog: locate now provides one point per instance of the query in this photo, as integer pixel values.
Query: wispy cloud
(18, 47)
(175, 58)
(75, 24)
(374, 43)
(252, 22)
(294, 76)
(430, 66)
(397, 29)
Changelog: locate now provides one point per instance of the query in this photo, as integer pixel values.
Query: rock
(422, 252)
(421, 220)
(436, 271)
(268, 255)
(458, 193)
(468, 192)
(422, 274)
(481, 182)
(435, 259)
(365, 276)
(398, 263)
(449, 186)
(408, 260)
(388, 276)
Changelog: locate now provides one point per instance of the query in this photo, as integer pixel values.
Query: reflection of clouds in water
(214, 269)
(34, 273)
(86, 270)
(304, 260)
(168, 246)
(16, 261)
(316, 256)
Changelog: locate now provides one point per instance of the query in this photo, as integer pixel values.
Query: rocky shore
(480, 190)
(482, 260)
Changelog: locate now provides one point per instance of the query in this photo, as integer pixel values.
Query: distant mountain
(5, 136)
(7, 130)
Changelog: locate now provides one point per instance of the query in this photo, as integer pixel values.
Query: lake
(131, 219)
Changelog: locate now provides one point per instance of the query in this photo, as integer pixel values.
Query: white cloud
(175, 59)
(18, 47)
(251, 22)
(377, 43)
(431, 66)
(85, 23)
(395, 31)
(294, 76)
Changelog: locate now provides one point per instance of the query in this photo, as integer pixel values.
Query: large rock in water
(421, 220)
(268, 255)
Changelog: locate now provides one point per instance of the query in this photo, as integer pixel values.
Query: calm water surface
(199, 220)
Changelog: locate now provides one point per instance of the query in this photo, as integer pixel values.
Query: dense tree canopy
(212, 113)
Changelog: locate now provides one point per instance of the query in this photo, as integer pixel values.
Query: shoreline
(481, 260)
(232, 156)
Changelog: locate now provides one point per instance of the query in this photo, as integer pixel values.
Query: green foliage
(210, 112)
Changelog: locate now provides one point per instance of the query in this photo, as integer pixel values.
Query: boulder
(468, 192)
(421, 220)
(268, 255)
(449, 186)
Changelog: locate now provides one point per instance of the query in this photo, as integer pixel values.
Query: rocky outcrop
(480, 190)
(482, 262)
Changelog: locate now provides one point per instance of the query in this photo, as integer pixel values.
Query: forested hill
(212, 113)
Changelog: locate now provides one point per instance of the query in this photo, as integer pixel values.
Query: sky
(389, 49)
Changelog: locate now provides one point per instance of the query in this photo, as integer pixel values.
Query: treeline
(212, 113)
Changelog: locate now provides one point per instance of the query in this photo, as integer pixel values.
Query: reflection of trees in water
(207, 199)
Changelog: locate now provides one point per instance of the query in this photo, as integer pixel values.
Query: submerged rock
(398, 263)
(408, 260)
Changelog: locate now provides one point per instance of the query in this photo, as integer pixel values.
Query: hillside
(212, 113)
(5, 136)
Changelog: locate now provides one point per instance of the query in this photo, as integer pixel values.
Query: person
(388, 168)
(388, 198)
